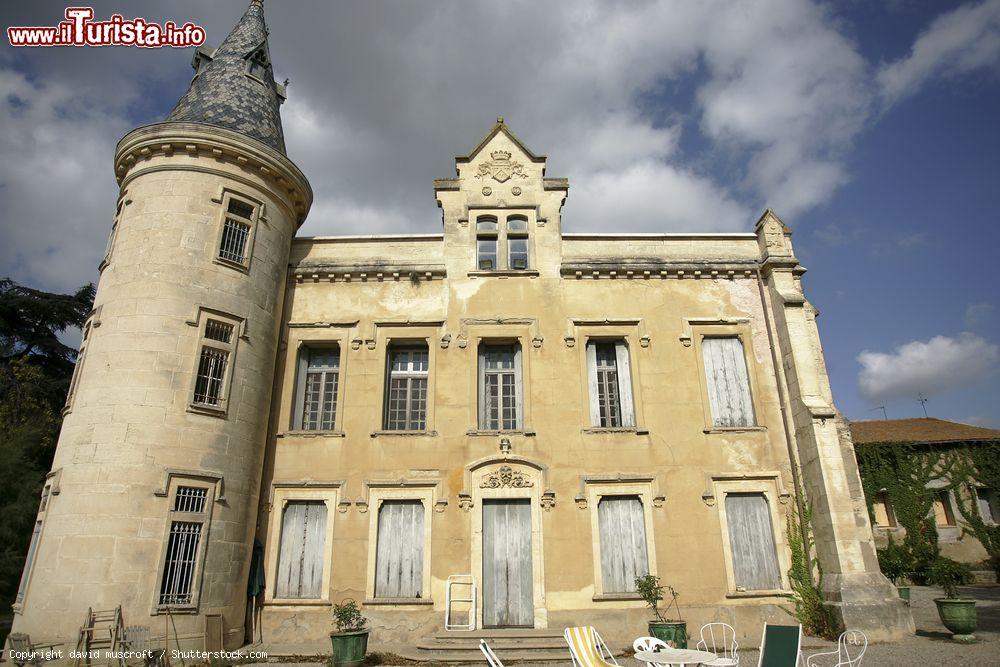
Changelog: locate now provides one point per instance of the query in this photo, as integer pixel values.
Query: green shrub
(651, 591)
(347, 616)
(896, 561)
(949, 575)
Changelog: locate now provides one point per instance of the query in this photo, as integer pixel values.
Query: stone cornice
(367, 272)
(199, 140)
(655, 268)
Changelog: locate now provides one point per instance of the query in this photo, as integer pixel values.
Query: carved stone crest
(501, 168)
(505, 476)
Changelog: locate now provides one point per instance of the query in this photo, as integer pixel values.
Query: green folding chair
(780, 646)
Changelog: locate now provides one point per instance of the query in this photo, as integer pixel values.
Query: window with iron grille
(318, 385)
(183, 555)
(213, 363)
(499, 387)
(406, 389)
(236, 230)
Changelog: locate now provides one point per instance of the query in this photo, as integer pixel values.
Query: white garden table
(675, 656)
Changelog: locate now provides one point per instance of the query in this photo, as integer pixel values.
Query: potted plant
(896, 563)
(350, 641)
(957, 614)
(674, 632)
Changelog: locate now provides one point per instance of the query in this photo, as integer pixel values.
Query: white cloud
(961, 41)
(384, 94)
(939, 365)
(977, 314)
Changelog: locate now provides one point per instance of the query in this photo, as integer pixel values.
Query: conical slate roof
(224, 94)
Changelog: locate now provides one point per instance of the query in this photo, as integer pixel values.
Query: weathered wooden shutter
(592, 386)
(301, 552)
(623, 542)
(483, 402)
(728, 382)
(751, 538)
(987, 505)
(625, 384)
(518, 388)
(300, 386)
(507, 575)
(399, 557)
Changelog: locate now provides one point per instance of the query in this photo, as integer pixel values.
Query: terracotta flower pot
(959, 616)
(672, 632)
(349, 648)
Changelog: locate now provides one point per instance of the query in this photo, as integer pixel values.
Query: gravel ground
(932, 645)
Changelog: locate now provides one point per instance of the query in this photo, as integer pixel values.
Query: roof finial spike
(499, 120)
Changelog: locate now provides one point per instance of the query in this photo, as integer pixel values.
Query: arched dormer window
(487, 238)
(259, 65)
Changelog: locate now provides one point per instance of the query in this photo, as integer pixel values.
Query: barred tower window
(190, 511)
(237, 230)
(212, 375)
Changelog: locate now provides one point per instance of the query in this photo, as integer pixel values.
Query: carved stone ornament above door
(505, 476)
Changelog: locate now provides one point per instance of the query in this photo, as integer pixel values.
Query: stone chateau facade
(551, 413)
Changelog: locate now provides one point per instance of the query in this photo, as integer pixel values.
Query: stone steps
(510, 645)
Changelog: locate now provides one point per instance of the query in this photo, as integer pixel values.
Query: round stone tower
(151, 500)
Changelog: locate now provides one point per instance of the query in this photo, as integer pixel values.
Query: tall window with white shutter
(728, 382)
(399, 558)
(301, 550)
(751, 542)
(609, 378)
(624, 554)
(317, 387)
(500, 393)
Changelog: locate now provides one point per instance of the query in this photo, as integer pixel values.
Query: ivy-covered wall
(912, 474)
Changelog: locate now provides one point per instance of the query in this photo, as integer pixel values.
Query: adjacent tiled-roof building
(927, 430)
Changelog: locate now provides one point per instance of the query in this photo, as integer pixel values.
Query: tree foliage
(35, 371)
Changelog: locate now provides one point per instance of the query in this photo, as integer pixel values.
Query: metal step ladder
(460, 581)
(102, 630)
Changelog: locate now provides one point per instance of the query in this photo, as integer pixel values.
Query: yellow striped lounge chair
(588, 649)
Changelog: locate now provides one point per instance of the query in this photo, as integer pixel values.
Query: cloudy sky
(870, 127)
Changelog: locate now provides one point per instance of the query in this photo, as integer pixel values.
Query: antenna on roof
(885, 417)
(923, 402)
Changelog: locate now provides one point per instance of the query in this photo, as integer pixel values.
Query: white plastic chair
(587, 649)
(720, 639)
(648, 644)
(491, 657)
(851, 646)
